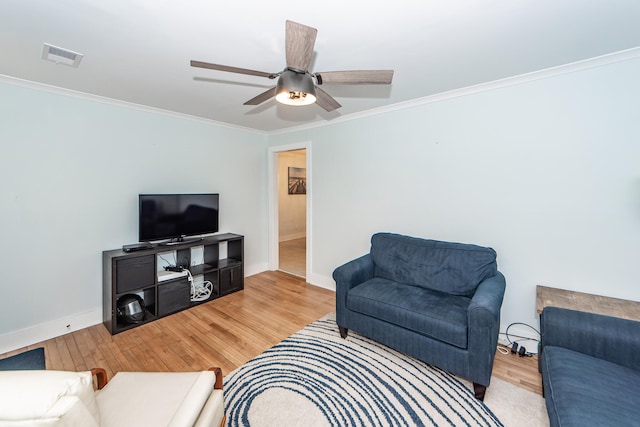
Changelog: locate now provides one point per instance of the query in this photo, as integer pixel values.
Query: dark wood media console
(139, 273)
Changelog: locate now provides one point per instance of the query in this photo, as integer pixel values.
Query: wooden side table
(608, 306)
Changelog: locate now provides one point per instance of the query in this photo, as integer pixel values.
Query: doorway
(292, 212)
(290, 193)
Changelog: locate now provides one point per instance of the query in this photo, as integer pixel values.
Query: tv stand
(138, 273)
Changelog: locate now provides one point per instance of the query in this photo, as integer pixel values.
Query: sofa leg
(479, 391)
(343, 331)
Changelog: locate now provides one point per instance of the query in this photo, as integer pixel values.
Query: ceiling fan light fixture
(295, 88)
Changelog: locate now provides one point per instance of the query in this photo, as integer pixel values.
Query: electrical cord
(165, 260)
(522, 352)
(506, 332)
(200, 291)
(502, 349)
(185, 261)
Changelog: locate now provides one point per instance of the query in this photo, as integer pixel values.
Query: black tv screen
(174, 216)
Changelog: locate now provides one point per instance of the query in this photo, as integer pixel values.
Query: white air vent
(60, 55)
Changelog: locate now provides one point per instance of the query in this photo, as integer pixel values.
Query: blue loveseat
(436, 301)
(590, 367)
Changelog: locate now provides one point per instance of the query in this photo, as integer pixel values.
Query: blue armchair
(436, 301)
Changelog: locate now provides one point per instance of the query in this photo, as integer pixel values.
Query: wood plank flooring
(226, 332)
(521, 371)
(293, 256)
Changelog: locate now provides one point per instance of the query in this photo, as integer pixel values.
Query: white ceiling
(139, 50)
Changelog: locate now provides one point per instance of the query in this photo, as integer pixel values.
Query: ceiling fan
(296, 85)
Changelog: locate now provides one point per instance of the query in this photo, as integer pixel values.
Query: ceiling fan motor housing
(295, 87)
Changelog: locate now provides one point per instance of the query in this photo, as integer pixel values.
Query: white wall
(546, 172)
(292, 208)
(70, 173)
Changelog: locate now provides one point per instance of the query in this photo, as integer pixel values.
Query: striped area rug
(316, 378)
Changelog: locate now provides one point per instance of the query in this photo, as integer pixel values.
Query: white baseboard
(322, 281)
(47, 330)
(250, 270)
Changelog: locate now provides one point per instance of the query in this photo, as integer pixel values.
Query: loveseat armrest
(484, 308)
(101, 377)
(609, 338)
(348, 276)
(353, 273)
(483, 317)
(218, 371)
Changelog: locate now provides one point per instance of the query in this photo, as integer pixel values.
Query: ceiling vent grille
(60, 55)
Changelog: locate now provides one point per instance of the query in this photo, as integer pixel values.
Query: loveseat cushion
(454, 268)
(583, 390)
(47, 398)
(431, 313)
(160, 398)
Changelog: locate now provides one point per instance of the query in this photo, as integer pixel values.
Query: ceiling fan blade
(299, 41)
(264, 96)
(362, 77)
(326, 101)
(229, 69)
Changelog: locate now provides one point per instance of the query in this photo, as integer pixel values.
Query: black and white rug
(316, 378)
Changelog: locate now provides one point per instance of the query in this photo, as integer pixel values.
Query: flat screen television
(176, 216)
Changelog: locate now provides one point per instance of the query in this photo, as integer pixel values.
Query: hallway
(293, 256)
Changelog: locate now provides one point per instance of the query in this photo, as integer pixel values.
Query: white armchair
(60, 398)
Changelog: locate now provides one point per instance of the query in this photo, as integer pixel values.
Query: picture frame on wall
(297, 180)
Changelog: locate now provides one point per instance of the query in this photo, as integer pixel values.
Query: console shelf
(137, 273)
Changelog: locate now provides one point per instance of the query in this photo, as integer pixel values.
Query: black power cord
(523, 352)
(520, 336)
(515, 347)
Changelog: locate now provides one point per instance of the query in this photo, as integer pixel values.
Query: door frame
(274, 256)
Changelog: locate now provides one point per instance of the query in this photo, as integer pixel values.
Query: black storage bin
(173, 297)
(231, 279)
(135, 273)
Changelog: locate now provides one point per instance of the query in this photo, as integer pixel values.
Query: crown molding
(14, 81)
(586, 64)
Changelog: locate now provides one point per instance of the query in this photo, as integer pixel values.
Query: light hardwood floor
(226, 332)
(521, 371)
(293, 256)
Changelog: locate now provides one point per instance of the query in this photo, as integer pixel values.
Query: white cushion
(154, 398)
(47, 398)
(213, 411)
